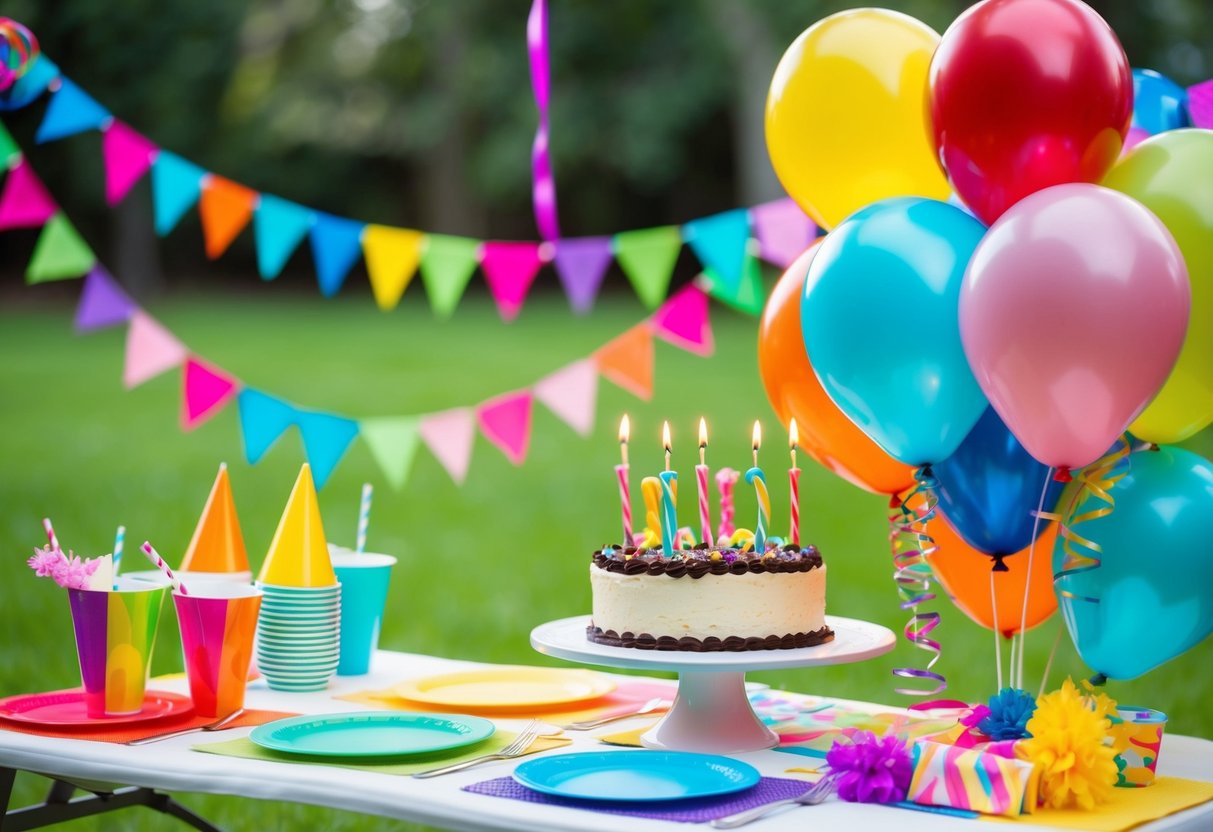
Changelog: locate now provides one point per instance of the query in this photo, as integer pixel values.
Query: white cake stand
(711, 712)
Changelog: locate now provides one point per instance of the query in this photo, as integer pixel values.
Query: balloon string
(1044, 679)
(911, 547)
(1017, 681)
(997, 635)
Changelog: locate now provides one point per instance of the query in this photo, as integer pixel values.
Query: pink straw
(159, 563)
(50, 534)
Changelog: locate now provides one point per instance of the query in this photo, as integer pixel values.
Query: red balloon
(1024, 95)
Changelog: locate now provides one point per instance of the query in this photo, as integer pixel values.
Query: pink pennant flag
(205, 391)
(128, 155)
(506, 422)
(571, 393)
(25, 202)
(783, 231)
(150, 350)
(683, 321)
(449, 436)
(1200, 104)
(509, 269)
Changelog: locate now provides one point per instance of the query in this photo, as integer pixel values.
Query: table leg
(60, 806)
(711, 713)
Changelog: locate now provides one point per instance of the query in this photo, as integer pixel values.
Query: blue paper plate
(371, 734)
(636, 775)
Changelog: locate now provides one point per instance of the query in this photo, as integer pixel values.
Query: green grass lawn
(480, 564)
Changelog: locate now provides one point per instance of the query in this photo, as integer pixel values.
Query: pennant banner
(278, 229)
(393, 444)
(506, 422)
(205, 391)
(336, 246)
(509, 269)
(263, 419)
(647, 257)
(10, 154)
(150, 350)
(581, 265)
(720, 243)
(683, 321)
(225, 208)
(326, 437)
(128, 156)
(572, 393)
(60, 253)
(783, 231)
(392, 256)
(176, 186)
(1200, 104)
(449, 436)
(103, 303)
(70, 111)
(25, 202)
(447, 264)
(627, 361)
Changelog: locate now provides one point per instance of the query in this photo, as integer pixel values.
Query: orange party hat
(299, 554)
(217, 545)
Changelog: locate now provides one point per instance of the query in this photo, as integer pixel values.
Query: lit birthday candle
(755, 477)
(794, 486)
(701, 477)
(621, 474)
(669, 510)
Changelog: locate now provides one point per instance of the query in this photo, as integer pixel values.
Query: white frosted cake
(708, 600)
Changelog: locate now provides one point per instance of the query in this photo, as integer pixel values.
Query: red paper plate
(66, 708)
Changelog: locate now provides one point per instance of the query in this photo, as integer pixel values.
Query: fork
(816, 794)
(518, 748)
(647, 708)
(217, 725)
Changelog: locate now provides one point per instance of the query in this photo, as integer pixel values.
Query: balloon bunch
(1002, 293)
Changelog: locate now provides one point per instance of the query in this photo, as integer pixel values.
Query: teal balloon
(1151, 597)
(879, 319)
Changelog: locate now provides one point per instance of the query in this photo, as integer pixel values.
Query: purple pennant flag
(102, 303)
(581, 264)
(1200, 104)
(783, 231)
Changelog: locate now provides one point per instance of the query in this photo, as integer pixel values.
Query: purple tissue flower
(870, 769)
(44, 561)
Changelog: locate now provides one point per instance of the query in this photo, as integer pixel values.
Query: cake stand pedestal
(711, 712)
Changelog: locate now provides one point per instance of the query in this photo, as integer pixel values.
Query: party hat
(299, 554)
(217, 545)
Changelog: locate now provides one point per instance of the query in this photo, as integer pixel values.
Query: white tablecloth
(172, 767)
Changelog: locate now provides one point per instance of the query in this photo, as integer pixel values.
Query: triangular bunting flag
(102, 302)
(581, 264)
(683, 321)
(60, 253)
(10, 153)
(392, 256)
(325, 440)
(506, 422)
(176, 186)
(509, 270)
(225, 208)
(749, 296)
(278, 228)
(150, 350)
(647, 257)
(71, 111)
(719, 241)
(571, 393)
(39, 73)
(263, 419)
(449, 437)
(205, 391)
(393, 443)
(627, 361)
(127, 156)
(783, 231)
(336, 246)
(1200, 104)
(25, 202)
(447, 264)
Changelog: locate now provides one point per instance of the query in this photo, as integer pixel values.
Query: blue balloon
(989, 487)
(1151, 597)
(879, 319)
(1159, 104)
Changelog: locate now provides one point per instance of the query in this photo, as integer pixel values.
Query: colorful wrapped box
(977, 781)
(1137, 737)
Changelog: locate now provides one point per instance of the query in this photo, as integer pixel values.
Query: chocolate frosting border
(643, 562)
(711, 644)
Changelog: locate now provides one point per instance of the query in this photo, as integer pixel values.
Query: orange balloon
(964, 573)
(825, 433)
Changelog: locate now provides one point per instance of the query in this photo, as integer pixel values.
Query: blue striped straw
(364, 517)
(119, 538)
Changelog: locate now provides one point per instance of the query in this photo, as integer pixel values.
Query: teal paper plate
(636, 775)
(371, 734)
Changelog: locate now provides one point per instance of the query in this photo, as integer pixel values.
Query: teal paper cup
(364, 581)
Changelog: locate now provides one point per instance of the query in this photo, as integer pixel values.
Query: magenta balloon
(1072, 313)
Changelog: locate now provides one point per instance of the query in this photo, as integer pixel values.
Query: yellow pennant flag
(392, 255)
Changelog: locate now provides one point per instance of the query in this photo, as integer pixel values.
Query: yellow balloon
(846, 123)
(1169, 174)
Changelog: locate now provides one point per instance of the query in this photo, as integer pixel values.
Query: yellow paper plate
(507, 687)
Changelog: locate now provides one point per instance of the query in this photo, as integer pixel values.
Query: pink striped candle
(794, 487)
(701, 477)
(625, 488)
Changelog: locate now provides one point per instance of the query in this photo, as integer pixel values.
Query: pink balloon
(1072, 314)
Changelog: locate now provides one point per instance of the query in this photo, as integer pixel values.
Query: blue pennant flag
(29, 86)
(336, 245)
(719, 241)
(325, 440)
(176, 186)
(263, 419)
(278, 227)
(71, 111)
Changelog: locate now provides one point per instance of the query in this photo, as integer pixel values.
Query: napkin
(1126, 808)
(142, 730)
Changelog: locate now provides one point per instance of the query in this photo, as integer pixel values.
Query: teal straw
(119, 538)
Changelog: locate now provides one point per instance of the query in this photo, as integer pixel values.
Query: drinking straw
(159, 563)
(119, 539)
(364, 517)
(50, 534)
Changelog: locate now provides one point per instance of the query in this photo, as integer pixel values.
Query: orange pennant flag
(226, 208)
(627, 361)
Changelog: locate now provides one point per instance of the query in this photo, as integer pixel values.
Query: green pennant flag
(447, 264)
(647, 257)
(747, 296)
(9, 152)
(60, 254)
(393, 442)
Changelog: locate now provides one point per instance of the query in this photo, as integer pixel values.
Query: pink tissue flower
(72, 573)
(45, 561)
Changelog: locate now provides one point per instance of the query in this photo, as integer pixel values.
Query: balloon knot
(1098, 680)
(1152, 446)
(1063, 474)
(894, 501)
(999, 565)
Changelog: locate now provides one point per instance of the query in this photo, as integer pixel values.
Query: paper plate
(636, 775)
(507, 687)
(371, 734)
(66, 708)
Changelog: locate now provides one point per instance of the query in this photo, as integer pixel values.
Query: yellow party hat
(217, 545)
(299, 554)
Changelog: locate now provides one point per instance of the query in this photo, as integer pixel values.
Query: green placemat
(412, 764)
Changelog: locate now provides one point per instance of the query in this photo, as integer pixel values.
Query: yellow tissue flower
(1067, 745)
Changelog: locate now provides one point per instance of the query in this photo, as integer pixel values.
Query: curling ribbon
(911, 546)
(543, 182)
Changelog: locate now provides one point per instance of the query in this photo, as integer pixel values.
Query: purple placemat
(693, 810)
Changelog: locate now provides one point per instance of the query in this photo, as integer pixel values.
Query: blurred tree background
(419, 113)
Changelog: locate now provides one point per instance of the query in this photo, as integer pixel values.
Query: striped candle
(669, 513)
(755, 477)
(705, 517)
(625, 502)
(159, 563)
(364, 517)
(794, 487)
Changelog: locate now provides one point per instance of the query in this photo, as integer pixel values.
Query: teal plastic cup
(364, 581)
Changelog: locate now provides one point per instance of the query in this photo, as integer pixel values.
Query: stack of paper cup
(298, 633)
